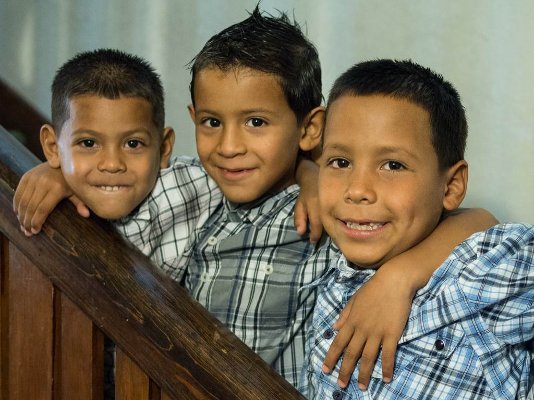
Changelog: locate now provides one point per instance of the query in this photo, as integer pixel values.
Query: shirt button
(268, 269)
(205, 277)
(439, 344)
(212, 240)
(337, 394)
(328, 334)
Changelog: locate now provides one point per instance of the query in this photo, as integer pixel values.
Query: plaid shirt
(247, 270)
(265, 261)
(469, 334)
(166, 224)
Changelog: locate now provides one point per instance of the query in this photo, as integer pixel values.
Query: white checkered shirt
(166, 224)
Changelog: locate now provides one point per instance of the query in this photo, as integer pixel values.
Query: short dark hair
(273, 45)
(420, 85)
(107, 73)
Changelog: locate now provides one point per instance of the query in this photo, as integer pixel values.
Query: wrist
(407, 275)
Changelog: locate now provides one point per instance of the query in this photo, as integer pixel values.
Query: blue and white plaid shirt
(469, 334)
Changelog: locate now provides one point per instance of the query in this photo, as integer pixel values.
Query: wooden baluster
(131, 383)
(79, 350)
(30, 329)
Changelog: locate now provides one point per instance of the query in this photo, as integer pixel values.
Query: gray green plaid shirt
(248, 270)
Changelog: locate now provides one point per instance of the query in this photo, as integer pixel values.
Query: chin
(360, 262)
(240, 198)
(111, 215)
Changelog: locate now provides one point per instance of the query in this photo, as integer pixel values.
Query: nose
(360, 187)
(112, 161)
(231, 142)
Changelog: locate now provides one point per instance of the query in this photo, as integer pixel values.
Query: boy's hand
(38, 193)
(373, 319)
(307, 205)
(307, 210)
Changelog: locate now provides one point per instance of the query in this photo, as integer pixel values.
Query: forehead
(242, 83)
(378, 117)
(103, 114)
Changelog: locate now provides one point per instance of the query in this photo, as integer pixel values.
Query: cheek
(203, 146)
(70, 165)
(327, 197)
(146, 168)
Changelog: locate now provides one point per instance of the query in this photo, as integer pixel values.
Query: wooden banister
(82, 268)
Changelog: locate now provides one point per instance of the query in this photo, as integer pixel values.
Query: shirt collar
(265, 207)
(141, 213)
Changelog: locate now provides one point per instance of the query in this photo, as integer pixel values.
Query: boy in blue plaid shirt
(256, 105)
(392, 163)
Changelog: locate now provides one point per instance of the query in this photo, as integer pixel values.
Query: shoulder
(488, 267)
(185, 166)
(185, 173)
(502, 241)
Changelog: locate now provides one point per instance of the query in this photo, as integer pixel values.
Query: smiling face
(247, 135)
(380, 189)
(110, 152)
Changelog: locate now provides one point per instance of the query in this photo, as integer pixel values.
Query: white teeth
(110, 188)
(364, 227)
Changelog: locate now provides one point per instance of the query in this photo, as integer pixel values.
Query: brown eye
(212, 122)
(393, 166)
(133, 144)
(88, 143)
(340, 163)
(256, 122)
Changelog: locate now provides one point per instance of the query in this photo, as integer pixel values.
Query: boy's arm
(39, 191)
(307, 205)
(376, 315)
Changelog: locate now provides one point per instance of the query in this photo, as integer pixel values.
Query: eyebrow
(247, 111)
(337, 147)
(396, 150)
(384, 150)
(81, 132)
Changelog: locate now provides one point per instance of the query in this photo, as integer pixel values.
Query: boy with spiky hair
(256, 105)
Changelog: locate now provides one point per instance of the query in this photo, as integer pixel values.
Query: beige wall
(482, 46)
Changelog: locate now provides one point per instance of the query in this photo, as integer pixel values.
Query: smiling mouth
(236, 173)
(236, 170)
(364, 226)
(110, 188)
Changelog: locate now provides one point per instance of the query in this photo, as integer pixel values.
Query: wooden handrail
(180, 346)
(16, 114)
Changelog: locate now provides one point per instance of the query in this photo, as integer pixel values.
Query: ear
(191, 110)
(456, 187)
(312, 129)
(49, 143)
(167, 145)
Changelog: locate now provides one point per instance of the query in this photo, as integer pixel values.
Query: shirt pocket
(431, 349)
